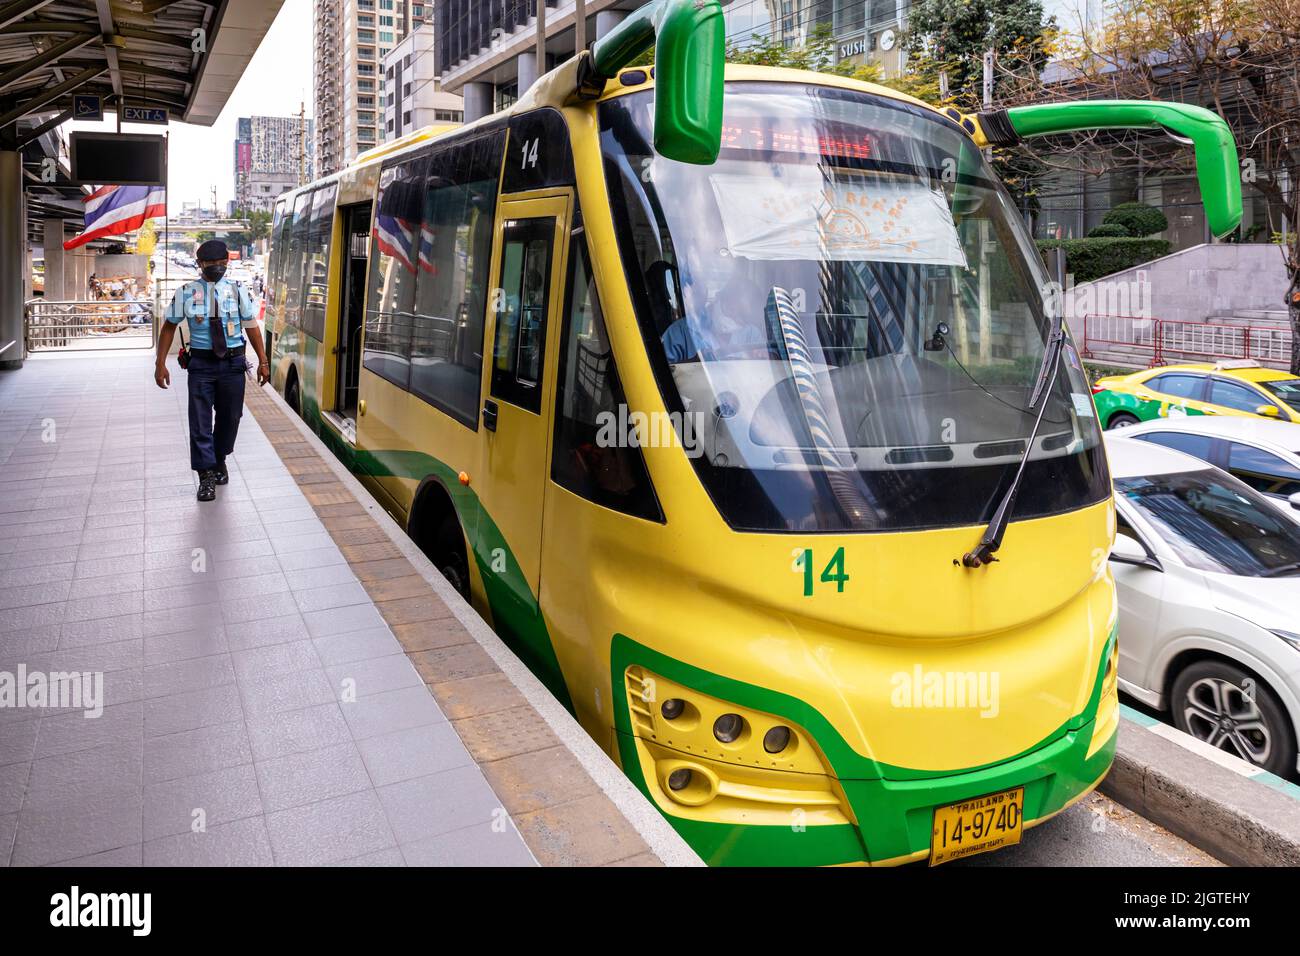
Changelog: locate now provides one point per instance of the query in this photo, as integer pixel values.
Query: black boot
(207, 485)
(222, 476)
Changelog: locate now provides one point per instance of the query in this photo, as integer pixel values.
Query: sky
(277, 82)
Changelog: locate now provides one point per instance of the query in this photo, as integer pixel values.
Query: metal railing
(71, 326)
(1212, 340)
(1162, 341)
(1119, 332)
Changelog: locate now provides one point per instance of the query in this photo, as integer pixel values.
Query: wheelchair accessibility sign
(85, 107)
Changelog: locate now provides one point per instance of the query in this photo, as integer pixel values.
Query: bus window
(293, 266)
(396, 253)
(521, 315)
(589, 399)
(456, 254)
(316, 267)
(272, 265)
(280, 240)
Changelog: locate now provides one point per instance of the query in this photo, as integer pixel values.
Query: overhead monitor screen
(118, 159)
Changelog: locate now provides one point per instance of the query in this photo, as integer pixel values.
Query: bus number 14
(833, 573)
(530, 153)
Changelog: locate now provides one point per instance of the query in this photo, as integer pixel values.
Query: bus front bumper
(823, 805)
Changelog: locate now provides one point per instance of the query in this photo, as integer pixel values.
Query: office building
(488, 51)
(412, 95)
(273, 154)
(352, 38)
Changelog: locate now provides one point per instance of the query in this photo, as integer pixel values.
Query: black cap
(212, 250)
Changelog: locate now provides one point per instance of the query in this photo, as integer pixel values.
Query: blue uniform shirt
(684, 340)
(193, 303)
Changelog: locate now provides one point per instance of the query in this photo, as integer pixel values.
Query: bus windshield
(847, 314)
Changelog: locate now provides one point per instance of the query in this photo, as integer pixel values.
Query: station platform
(285, 679)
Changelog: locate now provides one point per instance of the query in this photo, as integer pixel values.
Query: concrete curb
(1218, 803)
(657, 832)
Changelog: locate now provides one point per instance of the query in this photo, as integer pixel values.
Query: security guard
(217, 310)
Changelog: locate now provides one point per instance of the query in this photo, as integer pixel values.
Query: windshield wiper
(1044, 382)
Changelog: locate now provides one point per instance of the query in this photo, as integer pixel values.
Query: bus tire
(1211, 688)
(1121, 420)
(292, 394)
(449, 555)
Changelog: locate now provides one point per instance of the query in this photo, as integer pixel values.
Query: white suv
(1208, 574)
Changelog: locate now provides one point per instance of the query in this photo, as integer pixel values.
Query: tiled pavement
(279, 685)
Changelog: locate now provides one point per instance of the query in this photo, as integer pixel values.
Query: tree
(950, 39)
(259, 223)
(146, 240)
(946, 42)
(1239, 58)
(817, 53)
(1137, 219)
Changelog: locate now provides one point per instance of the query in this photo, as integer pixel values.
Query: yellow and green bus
(737, 400)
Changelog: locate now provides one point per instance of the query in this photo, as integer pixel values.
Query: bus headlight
(776, 739)
(672, 708)
(728, 728)
(709, 759)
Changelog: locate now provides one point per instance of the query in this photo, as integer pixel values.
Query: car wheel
(1122, 420)
(1232, 710)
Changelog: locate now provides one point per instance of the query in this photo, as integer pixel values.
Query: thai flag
(116, 210)
(397, 237)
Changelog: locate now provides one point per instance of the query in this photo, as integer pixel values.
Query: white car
(1208, 575)
(1262, 453)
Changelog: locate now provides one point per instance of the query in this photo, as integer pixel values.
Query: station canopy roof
(141, 53)
(128, 52)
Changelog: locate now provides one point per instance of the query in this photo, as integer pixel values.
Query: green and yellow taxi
(1235, 387)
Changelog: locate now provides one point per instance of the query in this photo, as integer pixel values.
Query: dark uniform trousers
(216, 403)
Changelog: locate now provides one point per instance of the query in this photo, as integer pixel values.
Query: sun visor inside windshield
(854, 217)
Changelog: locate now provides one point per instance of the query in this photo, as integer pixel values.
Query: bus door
(356, 257)
(526, 302)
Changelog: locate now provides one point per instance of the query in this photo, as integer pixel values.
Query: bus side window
(295, 260)
(282, 254)
(591, 455)
(316, 268)
(459, 212)
(277, 250)
(395, 253)
(521, 312)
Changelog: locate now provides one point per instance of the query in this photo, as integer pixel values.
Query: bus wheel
(1122, 420)
(292, 395)
(1233, 710)
(449, 556)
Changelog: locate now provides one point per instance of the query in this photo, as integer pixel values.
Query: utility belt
(230, 353)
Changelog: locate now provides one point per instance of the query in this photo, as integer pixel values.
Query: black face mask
(214, 273)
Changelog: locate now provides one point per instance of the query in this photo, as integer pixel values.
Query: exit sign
(144, 114)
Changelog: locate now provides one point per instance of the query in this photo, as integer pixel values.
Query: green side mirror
(689, 37)
(1217, 168)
